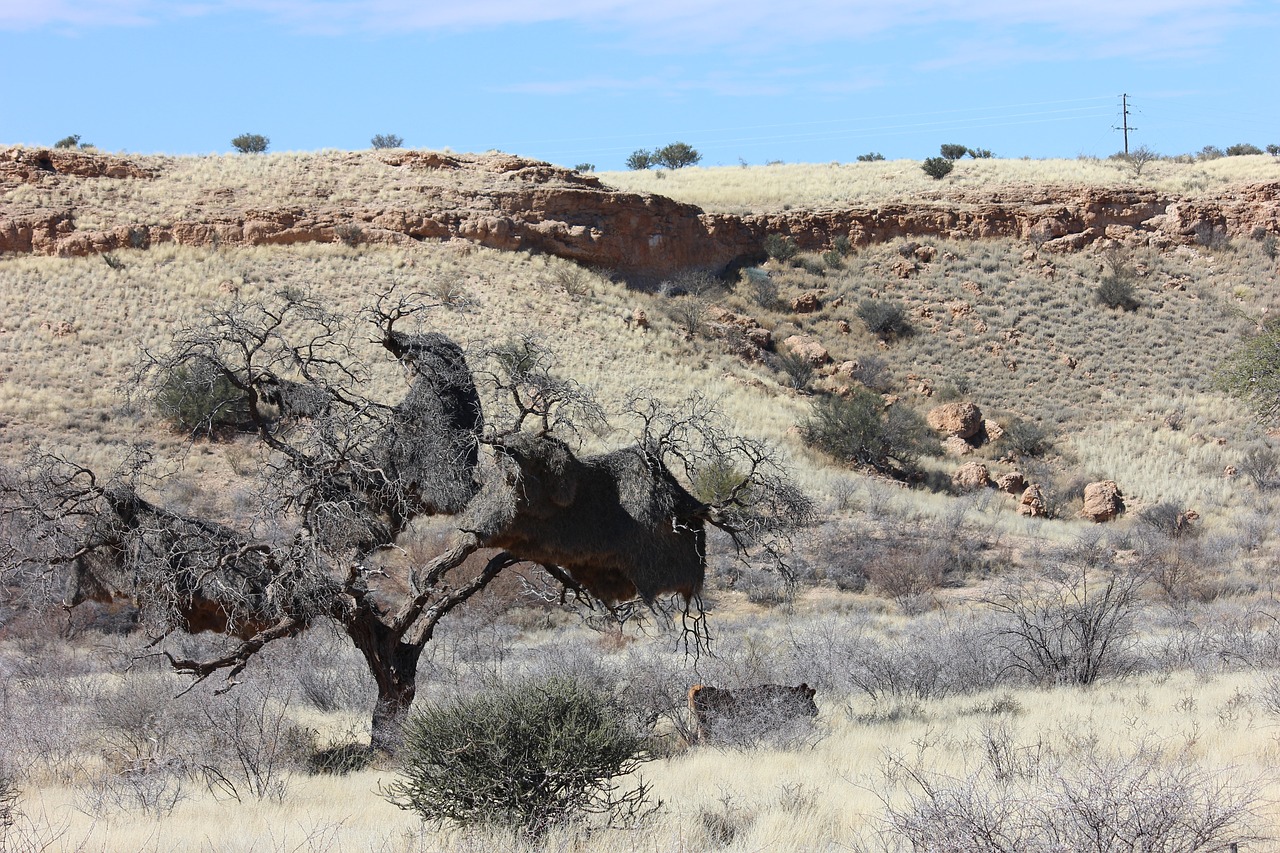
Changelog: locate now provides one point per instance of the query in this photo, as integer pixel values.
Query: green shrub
(68, 141)
(797, 369)
(386, 140)
(1025, 438)
(250, 143)
(585, 167)
(780, 248)
(1166, 518)
(860, 430)
(349, 233)
(1252, 373)
(1242, 149)
(528, 756)
(870, 157)
(761, 288)
(937, 167)
(954, 152)
(981, 153)
(715, 482)
(884, 319)
(1262, 465)
(842, 244)
(1116, 291)
(810, 264)
(641, 158)
(1273, 150)
(197, 399)
(677, 155)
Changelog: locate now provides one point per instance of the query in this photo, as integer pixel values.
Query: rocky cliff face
(506, 202)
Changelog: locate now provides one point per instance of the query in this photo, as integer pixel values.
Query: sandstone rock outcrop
(1102, 501)
(1032, 503)
(806, 303)
(1012, 483)
(971, 476)
(33, 165)
(962, 420)
(808, 348)
(508, 202)
(746, 336)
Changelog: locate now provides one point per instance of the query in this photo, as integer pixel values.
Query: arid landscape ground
(918, 606)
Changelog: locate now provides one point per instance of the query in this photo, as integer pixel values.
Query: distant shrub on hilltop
(250, 143)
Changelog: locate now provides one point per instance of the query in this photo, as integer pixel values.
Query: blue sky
(576, 81)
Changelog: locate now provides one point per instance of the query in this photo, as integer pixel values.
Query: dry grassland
(831, 787)
(738, 189)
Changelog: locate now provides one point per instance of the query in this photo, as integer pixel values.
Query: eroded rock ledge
(507, 202)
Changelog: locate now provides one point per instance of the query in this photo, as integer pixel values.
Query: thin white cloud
(1089, 27)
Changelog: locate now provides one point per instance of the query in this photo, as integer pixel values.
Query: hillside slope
(72, 203)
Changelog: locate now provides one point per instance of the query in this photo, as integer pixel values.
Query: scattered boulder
(808, 348)
(956, 446)
(58, 328)
(903, 268)
(806, 303)
(1185, 520)
(640, 319)
(1032, 503)
(962, 420)
(925, 254)
(748, 339)
(993, 430)
(842, 326)
(1071, 242)
(1012, 483)
(1102, 501)
(971, 476)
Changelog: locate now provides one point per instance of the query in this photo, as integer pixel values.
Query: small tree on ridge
(250, 143)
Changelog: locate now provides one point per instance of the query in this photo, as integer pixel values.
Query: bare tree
(1074, 625)
(1138, 158)
(344, 476)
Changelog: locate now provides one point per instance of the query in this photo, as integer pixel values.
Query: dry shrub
(900, 575)
(256, 743)
(764, 587)
(727, 821)
(1183, 569)
(840, 554)
(933, 656)
(1042, 798)
(572, 279)
(1072, 624)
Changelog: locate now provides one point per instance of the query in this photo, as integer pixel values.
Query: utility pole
(1124, 118)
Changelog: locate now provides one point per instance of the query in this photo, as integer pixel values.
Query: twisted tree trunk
(394, 666)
